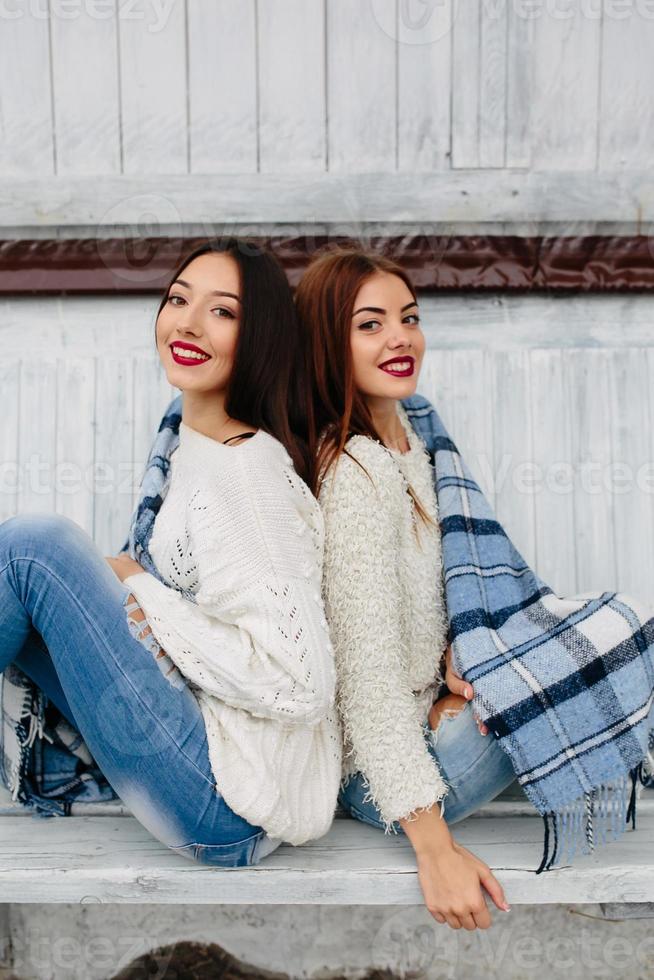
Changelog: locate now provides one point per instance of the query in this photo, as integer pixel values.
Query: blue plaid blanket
(565, 684)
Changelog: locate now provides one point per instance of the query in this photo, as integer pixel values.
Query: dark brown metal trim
(436, 263)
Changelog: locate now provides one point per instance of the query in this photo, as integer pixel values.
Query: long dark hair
(263, 389)
(336, 409)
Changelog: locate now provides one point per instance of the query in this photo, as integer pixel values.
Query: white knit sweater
(384, 596)
(241, 531)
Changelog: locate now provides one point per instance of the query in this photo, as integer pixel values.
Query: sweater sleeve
(379, 711)
(257, 636)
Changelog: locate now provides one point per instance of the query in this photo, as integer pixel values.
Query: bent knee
(27, 528)
(449, 706)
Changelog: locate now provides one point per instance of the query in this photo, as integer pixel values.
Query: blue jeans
(63, 621)
(473, 765)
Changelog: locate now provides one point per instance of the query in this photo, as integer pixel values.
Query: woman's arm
(257, 637)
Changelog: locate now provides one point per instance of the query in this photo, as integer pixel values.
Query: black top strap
(243, 435)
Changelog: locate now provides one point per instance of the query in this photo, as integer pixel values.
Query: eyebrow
(378, 309)
(214, 292)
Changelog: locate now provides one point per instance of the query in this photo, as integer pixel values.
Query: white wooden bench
(103, 855)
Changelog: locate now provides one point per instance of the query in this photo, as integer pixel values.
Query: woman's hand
(456, 685)
(124, 566)
(451, 878)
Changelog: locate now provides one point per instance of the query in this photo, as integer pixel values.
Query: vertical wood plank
(114, 413)
(479, 85)
(291, 46)
(10, 372)
(361, 85)
(492, 84)
(222, 86)
(647, 588)
(587, 380)
(75, 439)
(466, 68)
(424, 86)
(153, 85)
(472, 412)
(554, 500)
(26, 145)
(626, 125)
(633, 508)
(513, 447)
(565, 58)
(85, 83)
(436, 384)
(519, 86)
(37, 435)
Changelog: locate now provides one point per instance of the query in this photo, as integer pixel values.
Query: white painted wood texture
(292, 121)
(352, 204)
(26, 111)
(165, 92)
(222, 112)
(84, 93)
(117, 860)
(153, 91)
(550, 401)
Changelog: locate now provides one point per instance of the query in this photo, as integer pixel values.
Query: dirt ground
(195, 961)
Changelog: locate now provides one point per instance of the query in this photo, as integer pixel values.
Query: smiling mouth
(399, 368)
(187, 357)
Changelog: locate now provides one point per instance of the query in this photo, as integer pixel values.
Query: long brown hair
(264, 386)
(336, 409)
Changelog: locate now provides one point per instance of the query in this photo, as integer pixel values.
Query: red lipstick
(189, 360)
(392, 366)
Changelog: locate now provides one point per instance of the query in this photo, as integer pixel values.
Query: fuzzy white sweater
(241, 532)
(384, 596)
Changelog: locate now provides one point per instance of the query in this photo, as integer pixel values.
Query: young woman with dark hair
(207, 636)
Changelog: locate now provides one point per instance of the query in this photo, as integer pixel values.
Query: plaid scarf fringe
(598, 816)
(23, 709)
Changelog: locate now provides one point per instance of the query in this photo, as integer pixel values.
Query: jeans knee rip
(148, 640)
(447, 714)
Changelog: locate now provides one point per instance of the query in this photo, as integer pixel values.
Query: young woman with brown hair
(410, 757)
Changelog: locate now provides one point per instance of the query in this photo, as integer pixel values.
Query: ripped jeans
(473, 766)
(64, 622)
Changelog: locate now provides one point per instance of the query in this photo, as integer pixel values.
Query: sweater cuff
(149, 591)
(137, 577)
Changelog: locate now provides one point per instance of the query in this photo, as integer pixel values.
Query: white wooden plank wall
(222, 89)
(550, 402)
(86, 116)
(350, 86)
(153, 91)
